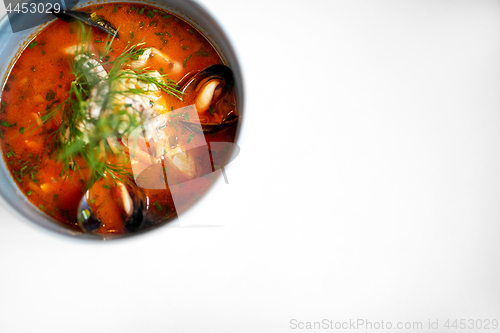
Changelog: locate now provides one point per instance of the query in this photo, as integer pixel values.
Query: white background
(367, 187)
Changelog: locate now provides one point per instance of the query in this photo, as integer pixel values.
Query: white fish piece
(143, 58)
(93, 67)
(171, 66)
(85, 48)
(97, 75)
(145, 104)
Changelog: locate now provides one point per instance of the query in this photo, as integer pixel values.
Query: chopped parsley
(32, 44)
(186, 60)
(202, 53)
(50, 95)
(157, 205)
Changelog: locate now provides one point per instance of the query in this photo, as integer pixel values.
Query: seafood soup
(114, 118)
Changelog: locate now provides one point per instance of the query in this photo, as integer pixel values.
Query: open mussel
(90, 19)
(208, 90)
(128, 199)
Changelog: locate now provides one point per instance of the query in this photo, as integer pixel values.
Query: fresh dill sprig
(166, 85)
(92, 114)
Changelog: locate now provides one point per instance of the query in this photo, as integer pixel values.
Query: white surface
(367, 187)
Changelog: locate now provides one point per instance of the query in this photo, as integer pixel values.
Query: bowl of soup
(115, 117)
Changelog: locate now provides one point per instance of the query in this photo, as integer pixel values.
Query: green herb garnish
(69, 143)
(50, 95)
(157, 205)
(202, 53)
(186, 60)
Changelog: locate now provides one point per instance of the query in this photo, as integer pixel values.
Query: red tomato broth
(41, 76)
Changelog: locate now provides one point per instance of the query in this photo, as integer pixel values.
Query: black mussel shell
(89, 223)
(99, 23)
(215, 71)
(138, 217)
